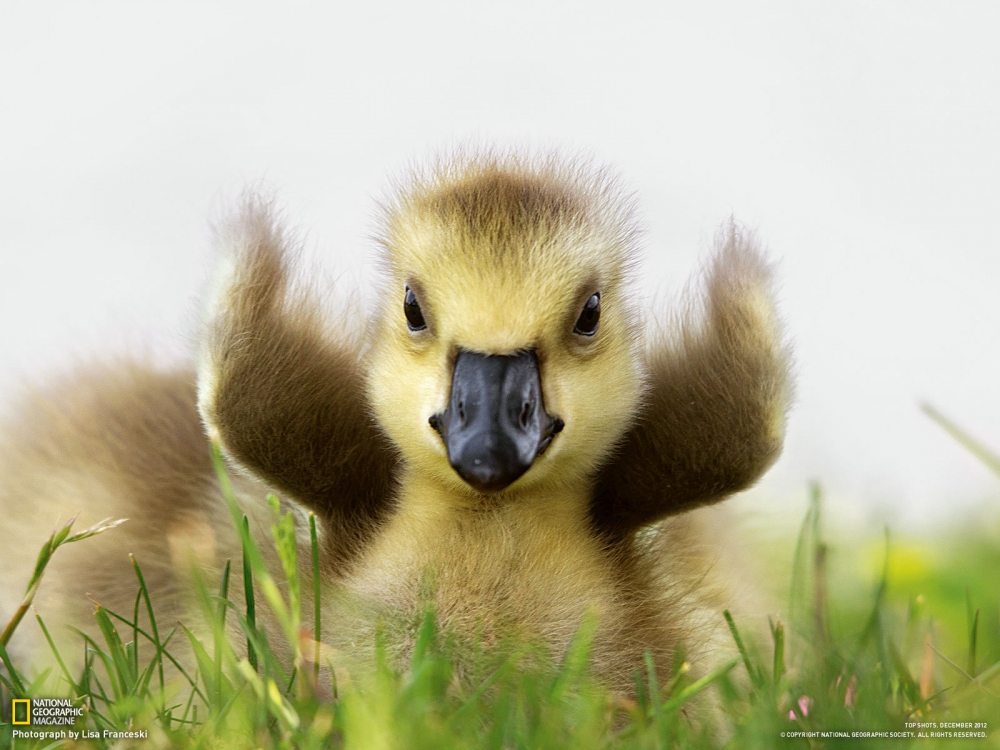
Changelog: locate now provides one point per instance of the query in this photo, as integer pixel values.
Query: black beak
(495, 424)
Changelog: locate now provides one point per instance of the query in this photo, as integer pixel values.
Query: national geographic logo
(44, 712)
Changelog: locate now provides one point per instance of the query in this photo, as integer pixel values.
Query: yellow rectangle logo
(20, 711)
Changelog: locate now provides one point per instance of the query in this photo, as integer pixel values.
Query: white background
(862, 141)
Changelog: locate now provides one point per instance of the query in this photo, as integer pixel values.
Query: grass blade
(778, 637)
(698, 685)
(755, 676)
(976, 448)
(248, 595)
(317, 617)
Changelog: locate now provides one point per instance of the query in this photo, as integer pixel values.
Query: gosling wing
(282, 390)
(713, 416)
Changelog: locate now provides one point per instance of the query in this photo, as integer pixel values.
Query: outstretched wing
(713, 417)
(283, 390)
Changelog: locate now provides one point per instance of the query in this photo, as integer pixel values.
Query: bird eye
(411, 308)
(586, 324)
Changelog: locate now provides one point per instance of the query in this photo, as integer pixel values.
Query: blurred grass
(875, 634)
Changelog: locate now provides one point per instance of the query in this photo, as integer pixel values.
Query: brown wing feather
(713, 417)
(284, 393)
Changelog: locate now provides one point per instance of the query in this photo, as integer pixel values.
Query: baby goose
(504, 439)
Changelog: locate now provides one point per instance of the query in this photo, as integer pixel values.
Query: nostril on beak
(526, 411)
(461, 411)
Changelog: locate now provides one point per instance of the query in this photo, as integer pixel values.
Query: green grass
(917, 642)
